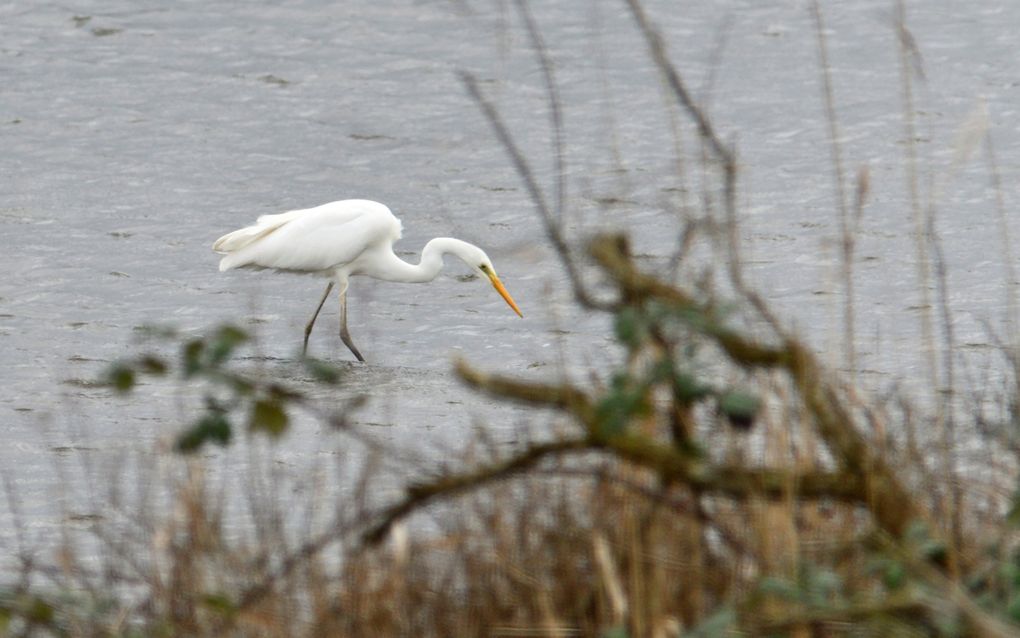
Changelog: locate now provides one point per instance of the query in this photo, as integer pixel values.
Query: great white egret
(341, 239)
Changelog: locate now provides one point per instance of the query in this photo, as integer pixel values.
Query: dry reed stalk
(846, 232)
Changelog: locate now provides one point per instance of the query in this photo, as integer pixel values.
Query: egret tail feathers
(235, 241)
(234, 260)
(240, 238)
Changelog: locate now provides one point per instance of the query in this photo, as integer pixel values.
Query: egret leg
(308, 328)
(345, 336)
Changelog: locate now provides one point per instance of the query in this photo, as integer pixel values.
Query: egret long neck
(426, 270)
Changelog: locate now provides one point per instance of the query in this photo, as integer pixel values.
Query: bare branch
(670, 464)
(422, 494)
(887, 497)
(658, 50)
(610, 254)
(563, 396)
(839, 179)
(553, 226)
(553, 100)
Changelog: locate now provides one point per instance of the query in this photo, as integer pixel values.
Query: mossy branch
(670, 464)
(673, 466)
(888, 499)
(562, 395)
(611, 253)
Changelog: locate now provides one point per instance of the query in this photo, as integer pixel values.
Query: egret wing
(312, 239)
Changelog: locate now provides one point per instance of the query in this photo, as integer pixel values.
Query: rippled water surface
(135, 133)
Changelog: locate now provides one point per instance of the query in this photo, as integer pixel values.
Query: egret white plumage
(339, 240)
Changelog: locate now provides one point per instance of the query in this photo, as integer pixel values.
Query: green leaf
(39, 611)
(219, 603)
(719, 624)
(212, 427)
(1014, 608)
(621, 403)
(895, 575)
(697, 319)
(629, 326)
(661, 370)
(121, 377)
(1013, 516)
(822, 586)
(323, 372)
(688, 389)
(193, 357)
(739, 407)
(151, 364)
(619, 631)
(241, 384)
(1011, 573)
(224, 342)
(281, 394)
(268, 416)
(780, 587)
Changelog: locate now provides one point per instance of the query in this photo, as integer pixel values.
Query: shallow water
(135, 134)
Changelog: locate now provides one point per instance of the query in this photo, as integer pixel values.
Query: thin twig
(930, 254)
(907, 65)
(553, 102)
(553, 227)
(836, 150)
(1012, 312)
(722, 153)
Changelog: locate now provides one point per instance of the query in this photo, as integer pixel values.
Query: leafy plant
(231, 397)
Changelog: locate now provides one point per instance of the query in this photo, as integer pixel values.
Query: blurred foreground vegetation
(721, 480)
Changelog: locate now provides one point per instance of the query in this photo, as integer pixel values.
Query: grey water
(133, 134)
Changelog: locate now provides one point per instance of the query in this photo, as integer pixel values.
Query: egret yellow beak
(498, 285)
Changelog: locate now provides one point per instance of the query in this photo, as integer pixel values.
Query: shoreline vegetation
(723, 479)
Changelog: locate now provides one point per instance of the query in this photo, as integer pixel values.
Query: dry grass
(721, 480)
